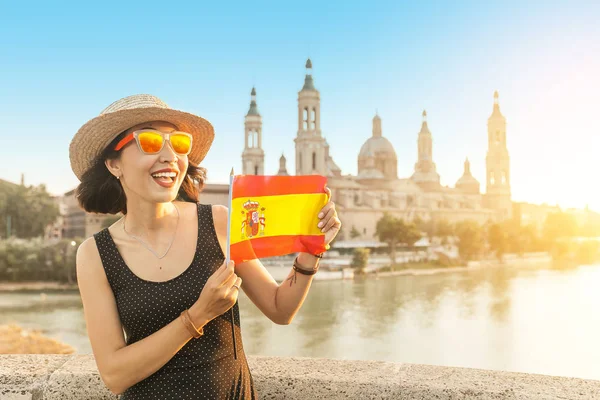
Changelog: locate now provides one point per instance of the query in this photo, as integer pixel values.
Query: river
(520, 319)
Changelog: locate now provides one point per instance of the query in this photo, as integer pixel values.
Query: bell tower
(311, 146)
(253, 156)
(498, 196)
(425, 174)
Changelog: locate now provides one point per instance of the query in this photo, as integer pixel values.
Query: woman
(160, 302)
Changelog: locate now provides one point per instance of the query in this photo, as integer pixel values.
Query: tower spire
(377, 126)
(496, 110)
(308, 80)
(253, 110)
(424, 127)
(282, 166)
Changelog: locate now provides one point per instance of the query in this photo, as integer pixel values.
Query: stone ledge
(41, 377)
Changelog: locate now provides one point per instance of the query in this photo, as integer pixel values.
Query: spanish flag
(275, 215)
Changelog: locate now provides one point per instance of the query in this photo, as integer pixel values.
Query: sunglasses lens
(181, 143)
(150, 142)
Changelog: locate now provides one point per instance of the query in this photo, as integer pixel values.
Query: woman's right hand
(219, 294)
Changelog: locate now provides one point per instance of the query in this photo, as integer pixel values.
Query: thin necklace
(148, 247)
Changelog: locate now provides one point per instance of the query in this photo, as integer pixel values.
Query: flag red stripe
(276, 246)
(257, 185)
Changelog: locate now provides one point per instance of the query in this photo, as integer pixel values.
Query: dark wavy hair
(101, 192)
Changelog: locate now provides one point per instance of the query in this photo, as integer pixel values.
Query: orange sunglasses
(151, 141)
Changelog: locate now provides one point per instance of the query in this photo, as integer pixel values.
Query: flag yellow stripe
(293, 214)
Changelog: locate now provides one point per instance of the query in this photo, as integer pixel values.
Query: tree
(395, 231)
(34, 259)
(354, 233)
(558, 228)
(27, 211)
(559, 225)
(470, 238)
(360, 259)
(529, 239)
(420, 224)
(443, 229)
(409, 233)
(498, 239)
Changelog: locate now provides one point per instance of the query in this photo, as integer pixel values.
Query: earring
(118, 177)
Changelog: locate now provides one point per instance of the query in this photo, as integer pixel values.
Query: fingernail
(320, 224)
(320, 215)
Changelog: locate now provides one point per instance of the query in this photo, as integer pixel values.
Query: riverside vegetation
(27, 211)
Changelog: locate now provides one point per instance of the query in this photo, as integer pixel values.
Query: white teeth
(164, 175)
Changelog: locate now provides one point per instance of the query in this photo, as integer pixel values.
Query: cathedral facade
(363, 198)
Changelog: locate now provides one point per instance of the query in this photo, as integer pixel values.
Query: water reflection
(518, 319)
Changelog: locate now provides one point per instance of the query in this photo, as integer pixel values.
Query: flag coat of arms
(275, 215)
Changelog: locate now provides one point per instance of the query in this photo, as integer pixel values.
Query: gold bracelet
(201, 330)
(189, 325)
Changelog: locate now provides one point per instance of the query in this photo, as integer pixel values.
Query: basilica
(363, 198)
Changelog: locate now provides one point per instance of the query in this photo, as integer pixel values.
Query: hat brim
(93, 137)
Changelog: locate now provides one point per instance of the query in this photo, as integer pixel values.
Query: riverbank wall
(74, 377)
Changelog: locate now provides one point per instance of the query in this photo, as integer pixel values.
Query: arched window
(497, 136)
(504, 177)
(305, 119)
(492, 178)
(256, 170)
(314, 160)
(313, 119)
(300, 161)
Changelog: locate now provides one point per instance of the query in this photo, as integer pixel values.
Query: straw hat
(93, 137)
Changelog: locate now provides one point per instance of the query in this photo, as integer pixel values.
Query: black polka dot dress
(213, 366)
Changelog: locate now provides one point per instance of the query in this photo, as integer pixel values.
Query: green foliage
(395, 231)
(360, 259)
(498, 239)
(471, 239)
(559, 225)
(354, 233)
(443, 228)
(35, 260)
(438, 227)
(26, 211)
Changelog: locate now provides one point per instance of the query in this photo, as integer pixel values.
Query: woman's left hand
(329, 223)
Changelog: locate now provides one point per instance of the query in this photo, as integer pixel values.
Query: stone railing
(40, 377)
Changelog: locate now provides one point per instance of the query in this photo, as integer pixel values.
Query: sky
(63, 63)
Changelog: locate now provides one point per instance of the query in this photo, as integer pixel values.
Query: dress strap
(110, 256)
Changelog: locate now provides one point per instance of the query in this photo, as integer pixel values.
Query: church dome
(377, 146)
(377, 154)
(467, 180)
(467, 183)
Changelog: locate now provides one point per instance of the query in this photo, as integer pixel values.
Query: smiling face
(151, 177)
